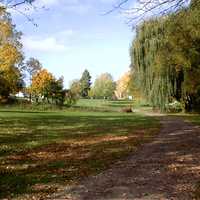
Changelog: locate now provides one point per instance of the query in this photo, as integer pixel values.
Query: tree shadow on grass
(40, 151)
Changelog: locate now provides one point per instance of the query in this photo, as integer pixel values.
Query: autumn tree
(85, 83)
(104, 87)
(10, 56)
(30, 68)
(41, 84)
(122, 86)
(47, 89)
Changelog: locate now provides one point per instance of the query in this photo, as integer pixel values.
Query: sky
(74, 35)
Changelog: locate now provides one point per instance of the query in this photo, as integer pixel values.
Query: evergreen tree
(85, 83)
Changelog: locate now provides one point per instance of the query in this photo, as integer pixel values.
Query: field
(102, 105)
(42, 151)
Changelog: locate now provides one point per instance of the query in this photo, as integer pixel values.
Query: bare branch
(14, 3)
(146, 8)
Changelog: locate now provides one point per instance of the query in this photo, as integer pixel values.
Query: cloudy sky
(73, 35)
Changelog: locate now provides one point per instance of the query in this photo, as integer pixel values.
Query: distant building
(20, 95)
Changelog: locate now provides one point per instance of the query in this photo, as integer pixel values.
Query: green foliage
(70, 98)
(174, 107)
(165, 59)
(75, 88)
(104, 87)
(85, 83)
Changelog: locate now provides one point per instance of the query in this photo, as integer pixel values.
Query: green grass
(41, 150)
(102, 105)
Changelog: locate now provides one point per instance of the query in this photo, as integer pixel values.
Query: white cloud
(49, 44)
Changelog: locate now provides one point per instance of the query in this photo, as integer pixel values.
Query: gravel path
(165, 169)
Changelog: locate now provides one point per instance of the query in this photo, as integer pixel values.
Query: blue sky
(73, 35)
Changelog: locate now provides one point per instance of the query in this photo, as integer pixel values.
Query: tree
(56, 92)
(184, 51)
(42, 84)
(165, 59)
(85, 83)
(47, 88)
(10, 56)
(75, 88)
(122, 86)
(31, 67)
(104, 87)
(70, 98)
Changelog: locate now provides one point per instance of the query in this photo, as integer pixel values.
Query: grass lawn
(103, 105)
(39, 151)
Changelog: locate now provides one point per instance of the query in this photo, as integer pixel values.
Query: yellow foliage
(122, 89)
(40, 81)
(5, 31)
(10, 53)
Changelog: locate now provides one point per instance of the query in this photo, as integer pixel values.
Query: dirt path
(166, 169)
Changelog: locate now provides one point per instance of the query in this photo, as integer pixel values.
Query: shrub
(175, 106)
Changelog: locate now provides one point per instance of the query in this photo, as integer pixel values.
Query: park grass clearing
(41, 151)
(103, 105)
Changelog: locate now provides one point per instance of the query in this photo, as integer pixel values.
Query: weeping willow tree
(165, 58)
(156, 82)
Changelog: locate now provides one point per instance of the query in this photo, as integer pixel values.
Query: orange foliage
(40, 81)
(122, 90)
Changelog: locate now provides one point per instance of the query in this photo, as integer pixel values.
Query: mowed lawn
(41, 151)
(103, 105)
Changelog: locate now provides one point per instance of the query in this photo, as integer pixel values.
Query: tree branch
(145, 8)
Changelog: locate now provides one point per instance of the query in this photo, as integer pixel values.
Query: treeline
(104, 86)
(165, 59)
(37, 84)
